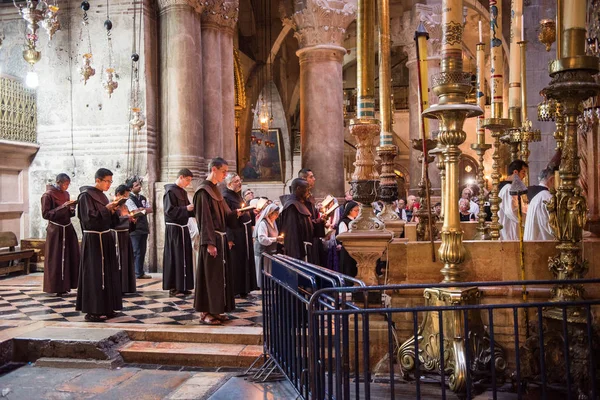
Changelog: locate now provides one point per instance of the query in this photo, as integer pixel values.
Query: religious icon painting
(265, 157)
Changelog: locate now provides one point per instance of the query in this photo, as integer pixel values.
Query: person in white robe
(537, 226)
(508, 215)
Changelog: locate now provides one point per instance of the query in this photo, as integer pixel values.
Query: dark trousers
(138, 242)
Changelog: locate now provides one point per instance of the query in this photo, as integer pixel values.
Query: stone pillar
(181, 88)
(320, 29)
(431, 17)
(228, 22)
(212, 99)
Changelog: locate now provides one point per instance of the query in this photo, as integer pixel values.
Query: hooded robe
(99, 289)
(61, 265)
(125, 254)
(178, 260)
(214, 280)
(297, 227)
(242, 252)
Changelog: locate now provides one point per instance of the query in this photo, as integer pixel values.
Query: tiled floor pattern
(21, 299)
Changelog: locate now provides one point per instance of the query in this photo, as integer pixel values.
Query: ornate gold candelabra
(572, 83)
(387, 150)
(483, 231)
(452, 86)
(438, 152)
(366, 240)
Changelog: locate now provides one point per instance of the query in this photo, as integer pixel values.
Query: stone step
(190, 354)
(198, 334)
(74, 343)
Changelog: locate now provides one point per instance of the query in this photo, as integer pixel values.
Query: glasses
(106, 180)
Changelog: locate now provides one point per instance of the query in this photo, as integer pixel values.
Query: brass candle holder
(498, 127)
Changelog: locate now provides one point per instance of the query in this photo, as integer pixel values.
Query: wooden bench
(10, 259)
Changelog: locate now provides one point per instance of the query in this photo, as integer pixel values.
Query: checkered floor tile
(150, 305)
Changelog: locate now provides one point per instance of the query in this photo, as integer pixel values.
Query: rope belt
(118, 249)
(307, 245)
(223, 244)
(64, 229)
(101, 249)
(183, 227)
(247, 239)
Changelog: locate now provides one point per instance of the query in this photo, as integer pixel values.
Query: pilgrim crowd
(214, 245)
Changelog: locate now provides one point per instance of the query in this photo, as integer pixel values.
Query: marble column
(405, 38)
(180, 88)
(212, 99)
(320, 29)
(228, 84)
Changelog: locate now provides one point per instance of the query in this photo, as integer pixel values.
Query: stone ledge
(53, 362)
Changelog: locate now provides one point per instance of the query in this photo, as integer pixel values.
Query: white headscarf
(264, 213)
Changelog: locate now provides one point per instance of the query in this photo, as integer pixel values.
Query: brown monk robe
(99, 289)
(214, 294)
(61, 266)
(123, 243)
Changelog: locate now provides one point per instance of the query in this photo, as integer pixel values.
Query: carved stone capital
(165, 5)
(220, 14)
(403, 30)
(323, 22)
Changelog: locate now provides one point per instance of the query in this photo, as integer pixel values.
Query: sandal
(222, 317)
(208, 319)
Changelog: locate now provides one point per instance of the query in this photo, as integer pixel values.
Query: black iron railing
(330, 347)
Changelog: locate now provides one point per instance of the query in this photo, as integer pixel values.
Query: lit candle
(497, 59)
(480, 31)
(514, 78)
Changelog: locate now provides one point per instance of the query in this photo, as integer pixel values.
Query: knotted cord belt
(223, 244)
(101, 249)
(247, 239)
(116, 231)
(183, 243)
(306, 247)
(64, 229)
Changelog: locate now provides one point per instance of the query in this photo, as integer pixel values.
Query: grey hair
(230, 176)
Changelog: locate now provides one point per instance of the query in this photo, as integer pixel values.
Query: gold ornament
(86, 71)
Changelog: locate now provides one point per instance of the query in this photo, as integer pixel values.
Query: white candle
(522, 28)
(480, 31)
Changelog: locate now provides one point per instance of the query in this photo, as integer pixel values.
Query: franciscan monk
(61, 266)
(178, 263)
(296, 223)
(319, 255)
(240, 239)
(214, 282)
(123, 241)
(99, 289)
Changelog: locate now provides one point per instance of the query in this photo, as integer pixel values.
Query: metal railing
(330, 347)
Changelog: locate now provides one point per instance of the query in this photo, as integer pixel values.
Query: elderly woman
(266, 236)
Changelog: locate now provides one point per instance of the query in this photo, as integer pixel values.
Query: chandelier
(35, 12)
(263, 116)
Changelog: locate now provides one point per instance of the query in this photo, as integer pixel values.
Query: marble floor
(22, 301)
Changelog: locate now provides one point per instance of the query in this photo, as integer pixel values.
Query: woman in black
(347, 263)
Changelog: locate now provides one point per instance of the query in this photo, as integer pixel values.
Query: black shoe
(61, 294)
(145, 276)
(93, 318)
(173, 292)
(186, 292)
(243, 295)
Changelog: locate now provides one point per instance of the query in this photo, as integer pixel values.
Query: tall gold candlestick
(572, 35)
(497, 59)
(481, 147)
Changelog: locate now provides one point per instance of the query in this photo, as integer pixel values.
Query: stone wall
(80, 128)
